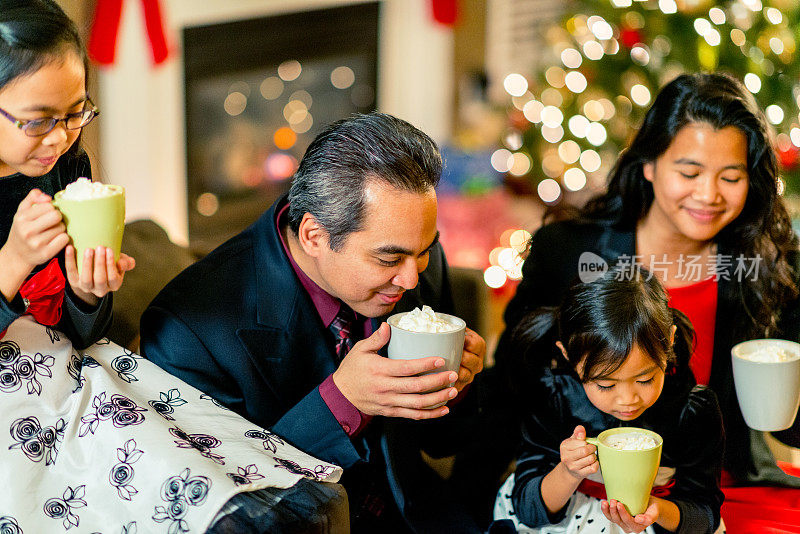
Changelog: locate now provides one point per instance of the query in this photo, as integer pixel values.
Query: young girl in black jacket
(613, 354)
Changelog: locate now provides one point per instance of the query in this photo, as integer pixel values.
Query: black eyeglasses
(39, 127)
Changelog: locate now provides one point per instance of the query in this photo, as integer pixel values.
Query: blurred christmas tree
(608, 59)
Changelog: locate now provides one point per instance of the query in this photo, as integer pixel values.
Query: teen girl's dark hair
(600, 322)
(34, 33)
(763, 229)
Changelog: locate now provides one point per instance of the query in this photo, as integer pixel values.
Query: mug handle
(593, 441)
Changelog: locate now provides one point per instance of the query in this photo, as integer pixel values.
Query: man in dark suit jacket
(254, 324)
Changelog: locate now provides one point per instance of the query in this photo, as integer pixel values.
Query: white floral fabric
(104, 441)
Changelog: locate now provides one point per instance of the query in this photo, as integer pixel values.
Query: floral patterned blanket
(104, 441)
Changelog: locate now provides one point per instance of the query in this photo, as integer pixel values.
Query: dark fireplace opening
(257, 92)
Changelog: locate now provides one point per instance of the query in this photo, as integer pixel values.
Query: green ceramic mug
(628, 475)
(94, 222)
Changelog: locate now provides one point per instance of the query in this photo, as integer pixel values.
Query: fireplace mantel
(142, 126)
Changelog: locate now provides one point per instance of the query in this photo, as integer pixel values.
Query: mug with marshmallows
(94, 214)
(423, 333)
(766, 375)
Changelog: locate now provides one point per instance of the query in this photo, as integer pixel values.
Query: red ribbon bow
(105, 27)
(44, 295)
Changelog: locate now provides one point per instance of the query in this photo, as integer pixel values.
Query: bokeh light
(290, 70)
(280, 166)
(640, 95)
(502, 160)
(207, 204)
(515, 84)
(552, 134)
(774, 113)
(235, 103)
(569, 151)
(549, 190)
(752, 82)
(271, 88)
(284, 138)
(342, 77)
(571, 58)
(533, 111)
(575, 81)
(574, 179)
(590, 160)
(494, 276)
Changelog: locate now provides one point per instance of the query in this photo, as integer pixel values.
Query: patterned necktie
(341, 326)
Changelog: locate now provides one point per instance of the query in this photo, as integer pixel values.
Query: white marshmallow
(85, 189)
(424, 320)
(633, 441)
(769, 354)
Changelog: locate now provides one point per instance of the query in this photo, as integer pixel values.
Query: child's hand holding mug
(99, 274)
(577, 456)
(94, 216)
(616, 512)
(37, 233)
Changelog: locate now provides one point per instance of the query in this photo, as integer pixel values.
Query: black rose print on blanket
(130, 528)
(62, 508)
(319, 472)
(269, 440)
(203, 443)
(36, 442)
(122, 473)
(54, 336)
(214, 401)
(75, 367)
(9, 525)
(180, 492)
(166, 405)
(244, 475)
(125, 364)
(119, 409)
(17, 368)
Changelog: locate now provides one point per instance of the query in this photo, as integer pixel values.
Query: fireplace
(257, 91)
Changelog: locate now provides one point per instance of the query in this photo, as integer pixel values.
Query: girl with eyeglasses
(44, 105)
(100, 438)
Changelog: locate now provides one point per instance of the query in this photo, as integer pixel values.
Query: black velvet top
(82, 324)
(687, 416)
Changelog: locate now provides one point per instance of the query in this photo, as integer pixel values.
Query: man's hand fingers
(474, 343)
(408, 413)
(415, 366)
(420, 384)
(422, 401)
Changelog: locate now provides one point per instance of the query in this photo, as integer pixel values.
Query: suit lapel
(289, 364)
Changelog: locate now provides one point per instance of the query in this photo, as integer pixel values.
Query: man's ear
(312, 236)
(672, 335)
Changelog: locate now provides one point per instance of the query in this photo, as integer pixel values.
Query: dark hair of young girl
(600, 322)
(763, 228)
(32, 34)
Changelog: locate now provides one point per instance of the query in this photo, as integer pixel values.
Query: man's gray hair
(331, 180)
